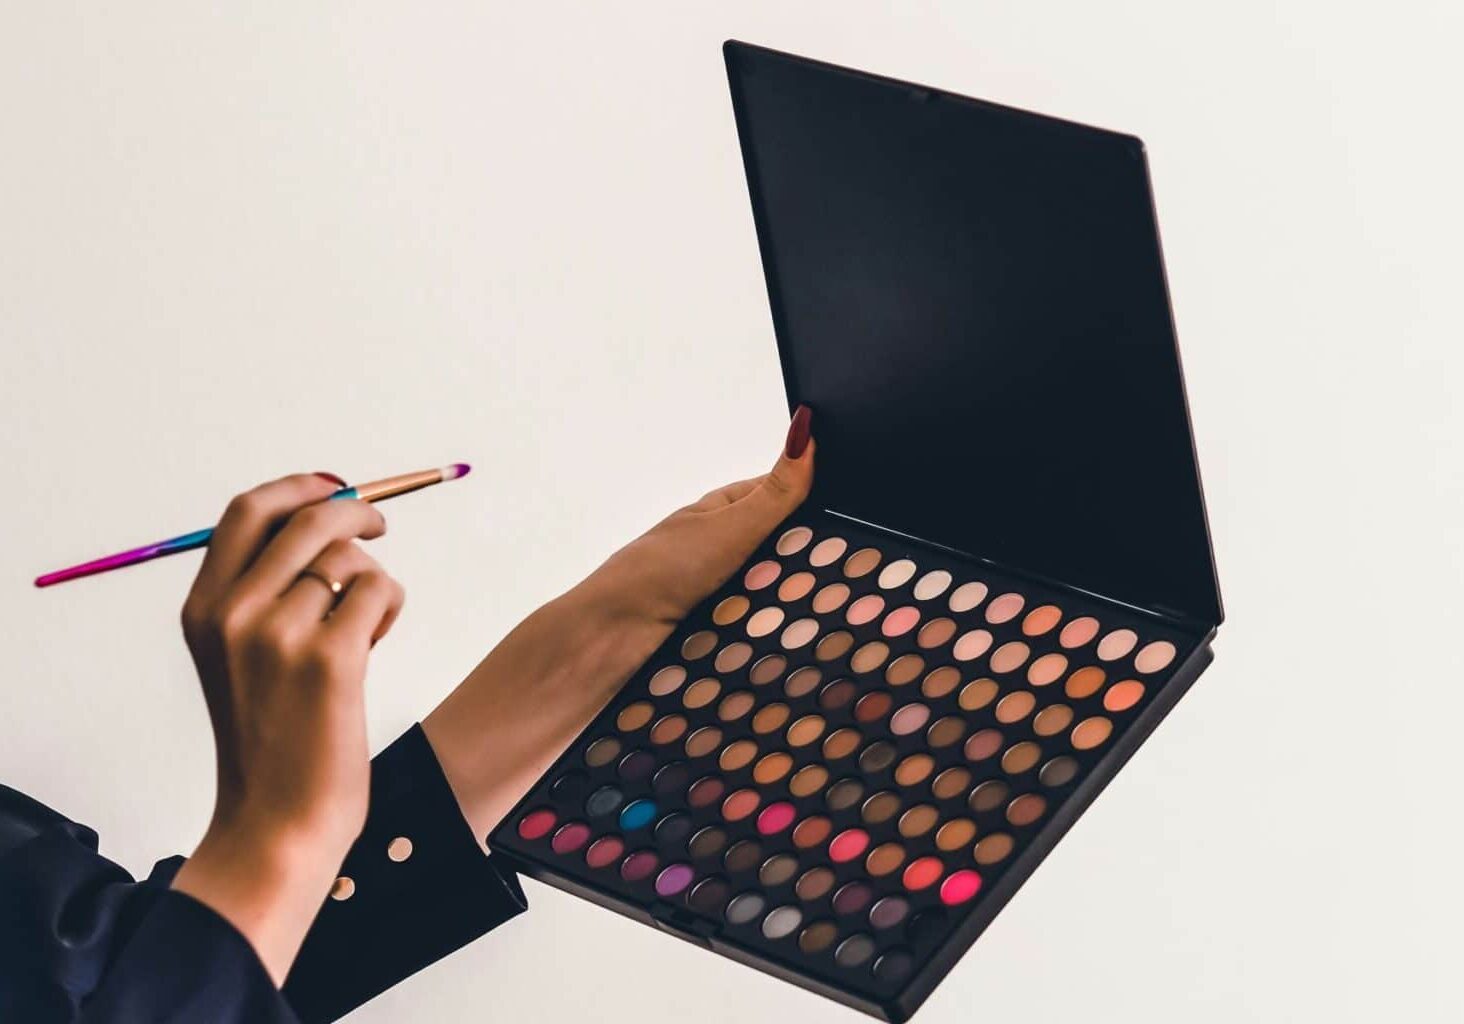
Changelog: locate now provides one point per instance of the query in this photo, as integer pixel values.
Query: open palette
(842, 764)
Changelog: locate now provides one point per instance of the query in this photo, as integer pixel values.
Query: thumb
(787, 485)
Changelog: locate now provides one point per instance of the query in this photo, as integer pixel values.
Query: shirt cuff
(415, 887)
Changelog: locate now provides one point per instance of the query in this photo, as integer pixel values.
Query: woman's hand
(282, 658)
(518, 710)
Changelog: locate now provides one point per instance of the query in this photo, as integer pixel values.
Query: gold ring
(334, 586)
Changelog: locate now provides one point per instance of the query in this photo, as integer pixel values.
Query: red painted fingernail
(799, 432)
(332, 478)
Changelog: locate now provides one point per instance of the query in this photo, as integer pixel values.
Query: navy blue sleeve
(81, 941)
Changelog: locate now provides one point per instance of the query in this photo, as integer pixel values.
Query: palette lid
(972, 300)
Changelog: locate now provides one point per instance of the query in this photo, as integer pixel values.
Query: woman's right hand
(282, 660)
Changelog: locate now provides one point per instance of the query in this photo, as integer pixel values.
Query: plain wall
(369, 237)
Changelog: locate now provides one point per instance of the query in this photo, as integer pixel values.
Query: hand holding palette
(842, 764)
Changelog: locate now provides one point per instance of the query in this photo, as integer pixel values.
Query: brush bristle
(457, 469)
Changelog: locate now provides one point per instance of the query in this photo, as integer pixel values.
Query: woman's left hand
(527, 700)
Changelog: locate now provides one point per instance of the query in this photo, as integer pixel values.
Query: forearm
(503, 726)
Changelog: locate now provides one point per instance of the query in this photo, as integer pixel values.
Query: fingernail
(331, 477)
(798, 432)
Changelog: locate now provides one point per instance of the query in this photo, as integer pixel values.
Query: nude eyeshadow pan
(843, 763)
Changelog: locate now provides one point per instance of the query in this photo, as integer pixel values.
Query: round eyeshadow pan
(818, 937)
(777, 869)
(793, 540)
(896, 574)
(955, 834)
(936, 633)
(730, 609)
(602, 752)
(967, 596)
(852, 898)
(977, 694)
(536, 824)
(808, 780)
(639, 866)
(1026, 809)
(960, 887)
(1154, 657)
(705, 792)
(837, 694)
(1047, 669)
(940, 682)
(904, 669)
(604, 851)
(767, 669)
(764, 621)
(994, 849)
(744, 855)
(811, 832)
(709, 896)
(870, 657)
(918, 820)
(900, 621)
(571, 787)
(846, 846)
(950, 783)
(989, 796)
(776, 817)
(814, 884)
(893, 966)
(667, 680)
(877, 757)
(932, 585)
(770, 718)
(1091, 732)
(699, 645)
(1004, 608)
(914, 770)
(844, 794)
(1117, 644)
(831, 598)
(772, 768)
(1009, 657)
(922, 873)
(1124, 695)
(735, 705)
(733, 656)
(737, 755)
(884, 859)
(854, 951)
(983, 744)
(862, 563)
(796, 587)
(762, 575)
(827, 551)
(1041, 619)
(740, 804)
(889, 912)
(1078, 632)
(872, 707)
(1052, 720)
(946, 732)
(668, 730)
(670, 778)
(635, 716)
(637, 815)
(745, 908)
(605, 800)
(1022, 757)
(1015, 706)
(1084, 682)
(1058, 772)
(972, 645)
(802, 682)
(909, 719)
(880, 808)
(674, 879)
(799, 633)
(702, 742)
(864, 610)
(782, 922)
(673, 829)
(834, 646)
(709, 842)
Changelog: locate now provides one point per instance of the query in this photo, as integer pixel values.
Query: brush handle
(146, 553)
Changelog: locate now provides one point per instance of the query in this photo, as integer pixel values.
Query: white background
(369, 237)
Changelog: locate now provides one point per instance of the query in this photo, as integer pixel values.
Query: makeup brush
(376, 490)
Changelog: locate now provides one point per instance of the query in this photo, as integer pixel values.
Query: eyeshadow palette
(847, 759)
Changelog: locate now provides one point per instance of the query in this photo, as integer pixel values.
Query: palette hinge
(679, 922)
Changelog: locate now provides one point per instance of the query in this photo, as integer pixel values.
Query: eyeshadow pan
(571, 787)
(777, 869)
(604, 851)
(818, 937)
(702, 742)
(603, 801)
(770, 718)
(1091, 732)
(972, 645)
(834, 646)
(844, 794)
(733, 656)
(967, 596)
(794, 540)
(740, 804)
(852, 898)
(862, 563)
(670, 778)
(1154, 657)
(766, 669)
(745, 908)
(900, 621)
(1022, 757)
(848, 845)
(1079, 632)
(799, 634)
(805, 731)
(1041, 620)
(764, 621)
(989, 796)
(1026, 809)
(877, 757)
(841, 744)
(831, 598)
(605, 749)
(889, 912)
(1058, 772)
(1047, 669)
(873, 706)
(775, 818)
(762, 575)
(941, 682)
(893, 966)
(904, 669)
(1124, 695)
(837, 694)
(935, 633)
(668, 729)
(870, 657)
(1117, 644)
(796, 587)
(1009, 657)
(854, 951)
(932, 585)
(673, 829)
(918, 820)
(814, 884)
(743, 855)
(1004, 608)
(698, 645)
(1015, 706)
(896, 574)
(955, 834)
(864, 610)
(537, 823)
(884, 859)
(735, 705)
(808, 780)
(634, 716)
(782, 922)
(639, 866)
(709, 842)
(994, 849)
(811, 832)
(922, 873)
(950, 783)
(959, 887)
(983, 744)
(730, 609)
(880, 808)
(977, 694)
(802, 682)
(1084, 682)
(827, 551)
(1052, 720)
(668, 680)
(709, 896)
(772, 768)
(705, 792)
(946, 731)
(909, 719)
(699, 694)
